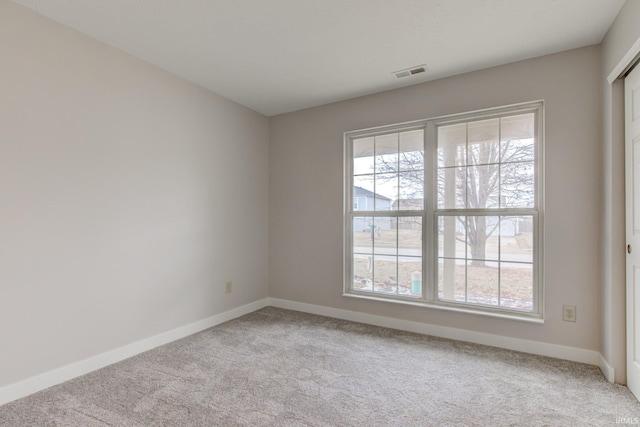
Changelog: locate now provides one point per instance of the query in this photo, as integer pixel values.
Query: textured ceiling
(276, 56)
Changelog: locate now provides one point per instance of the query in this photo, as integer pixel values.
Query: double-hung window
(447, 212)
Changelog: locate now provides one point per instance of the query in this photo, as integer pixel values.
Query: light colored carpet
(277, 367)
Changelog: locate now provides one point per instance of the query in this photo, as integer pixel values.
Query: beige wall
(306, 163)
(623, 33)
(127, 197)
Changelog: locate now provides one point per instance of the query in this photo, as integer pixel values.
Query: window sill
(481, 311)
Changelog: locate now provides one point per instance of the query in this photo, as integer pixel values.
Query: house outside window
(448, 212)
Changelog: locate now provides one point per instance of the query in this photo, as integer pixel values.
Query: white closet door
(632, 172)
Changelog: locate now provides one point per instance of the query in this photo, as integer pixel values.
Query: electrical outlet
(569, 313)
(228, 287)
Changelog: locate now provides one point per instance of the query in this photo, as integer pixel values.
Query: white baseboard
(534, 347)
(40, 382)
(607, 369)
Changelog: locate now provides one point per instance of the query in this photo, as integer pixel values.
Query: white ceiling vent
(411, 71)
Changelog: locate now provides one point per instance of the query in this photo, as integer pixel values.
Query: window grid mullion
(375, 171)
(499, 217)
(430, 201)
(398, 255)
(466, 219)
(466, 168)
(499, 261)
(466, 261)
(373, 254)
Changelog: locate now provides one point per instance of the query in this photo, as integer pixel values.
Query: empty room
(319, 212)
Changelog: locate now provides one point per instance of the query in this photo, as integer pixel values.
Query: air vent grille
(418, 69)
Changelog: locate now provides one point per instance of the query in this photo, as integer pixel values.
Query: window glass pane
(516, 238)
(362, 241)
(451, 258)
(484, 145)
(363, 156)
(386, 147)
(451, 280)
(410, 256)
(363, 195)
(452, 145)
(452, 237)
(384, 235)
(516, 285)
(517, 138)
(411, 191)
(517, 187)
(452, 188)
(362, 272)
(482, 283)
(385, 270)
(518, 150)
(410, 276)
(409, 236)
(483, 185)
(483, 235)
(386, 191)
(411, 150)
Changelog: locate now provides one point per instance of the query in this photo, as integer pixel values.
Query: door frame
(632, 228)
(614, 341)
(618, 256)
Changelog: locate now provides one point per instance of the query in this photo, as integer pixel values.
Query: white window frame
(430, 213)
